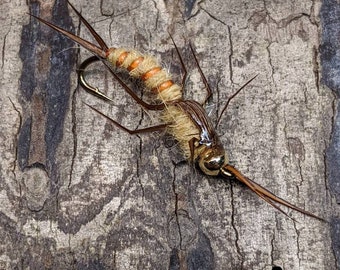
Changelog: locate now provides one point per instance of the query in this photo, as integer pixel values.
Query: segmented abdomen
(146, 68)
(159, 81)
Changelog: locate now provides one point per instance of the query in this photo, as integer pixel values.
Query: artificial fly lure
(186, 120)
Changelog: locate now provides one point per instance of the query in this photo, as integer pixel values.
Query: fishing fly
(186, 120)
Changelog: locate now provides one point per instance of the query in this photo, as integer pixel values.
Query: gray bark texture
(76, 192)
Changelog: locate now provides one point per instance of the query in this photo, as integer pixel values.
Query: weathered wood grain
(76, 193)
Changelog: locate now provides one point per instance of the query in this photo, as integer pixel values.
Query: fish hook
(83, 82)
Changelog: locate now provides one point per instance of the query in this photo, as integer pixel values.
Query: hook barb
(85, 84)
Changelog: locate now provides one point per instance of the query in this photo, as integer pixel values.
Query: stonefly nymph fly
(186, 120)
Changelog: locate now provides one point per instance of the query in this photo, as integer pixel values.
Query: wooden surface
(76, 193)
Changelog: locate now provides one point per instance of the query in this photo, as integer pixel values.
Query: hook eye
(82, 81)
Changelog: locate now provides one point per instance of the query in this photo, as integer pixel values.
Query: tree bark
(78, 193)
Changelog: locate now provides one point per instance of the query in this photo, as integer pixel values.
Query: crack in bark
(211, 15)
(271, 64)
(140, 149)
(272, 243)
(3, 50)
(15, 141)
(233, 225)
(230, 56)
(325, 172)
(115, 259)
(197, 12)
(157, 14)
(335, 251)
(316, 68)
(74, 121)
(301, 177)
(272, 250)
(283, 23)
(176, 208)
(297, 242)
(138, 167)
(75, 138)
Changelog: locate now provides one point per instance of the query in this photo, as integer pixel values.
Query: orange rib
(150, 73)
(135, 63)
(121, 58)
(163, 86)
